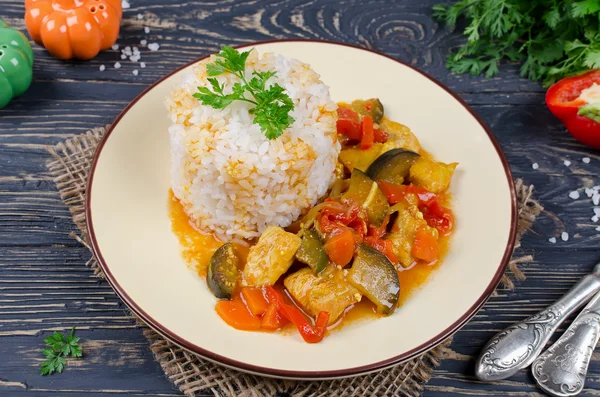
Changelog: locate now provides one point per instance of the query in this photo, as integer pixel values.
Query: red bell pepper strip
(368, 137)
(384, 246)
(394, 193)
(436, 216)
(426, 197)
(348, 124)
(291, 313)
(439, 217)
(581, 118)
(380, 135)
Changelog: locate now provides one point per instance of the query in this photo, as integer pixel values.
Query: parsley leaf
(58, 347)
(552, 39)
(271, 105)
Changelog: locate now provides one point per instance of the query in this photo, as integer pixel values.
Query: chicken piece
(432, 175)
(270, 257)
(409, 220)
(399, 137)
(328, 292)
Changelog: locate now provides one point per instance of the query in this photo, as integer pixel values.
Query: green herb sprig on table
(271, 105)
(58, 347)
(552, 38)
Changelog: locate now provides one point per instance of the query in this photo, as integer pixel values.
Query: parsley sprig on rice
(271, 104)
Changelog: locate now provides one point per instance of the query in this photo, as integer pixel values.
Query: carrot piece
(425, 246)
(368, 137)
(255, 301)
(340, 248)
(236, 314)
(272, 320)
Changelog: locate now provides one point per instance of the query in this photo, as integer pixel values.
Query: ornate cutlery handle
(561, 370)
(518, 345)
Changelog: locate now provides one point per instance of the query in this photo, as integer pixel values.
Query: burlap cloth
(194, 375)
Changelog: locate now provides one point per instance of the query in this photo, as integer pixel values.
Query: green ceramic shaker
(16, 62)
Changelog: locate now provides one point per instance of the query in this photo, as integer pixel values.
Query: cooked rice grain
(232, 180)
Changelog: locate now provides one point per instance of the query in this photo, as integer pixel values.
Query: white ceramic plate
(131, 233)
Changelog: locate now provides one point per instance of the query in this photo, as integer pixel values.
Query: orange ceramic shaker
(73, 28)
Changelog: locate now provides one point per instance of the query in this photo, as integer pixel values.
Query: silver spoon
(560, 371)
(518, 345)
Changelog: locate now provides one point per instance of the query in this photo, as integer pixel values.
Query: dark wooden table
(44, 284)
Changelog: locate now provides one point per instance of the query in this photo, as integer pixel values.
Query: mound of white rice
(232, 180)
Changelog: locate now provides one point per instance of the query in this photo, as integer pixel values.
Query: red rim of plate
(274, 372)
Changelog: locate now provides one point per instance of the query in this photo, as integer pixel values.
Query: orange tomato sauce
(196, 248)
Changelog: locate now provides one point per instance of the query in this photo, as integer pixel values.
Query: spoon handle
(560, 371)
(518, 345)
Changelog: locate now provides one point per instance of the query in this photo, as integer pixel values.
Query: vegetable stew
(384, 225)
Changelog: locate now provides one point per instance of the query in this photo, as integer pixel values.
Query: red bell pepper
(426, 197)
(348, 124)
(384, 246)
(394, 193)
(436, 216)
(368, 137)
(291, 313)
(581, 118)
(439, 217)
(380, 135)
(351, 125)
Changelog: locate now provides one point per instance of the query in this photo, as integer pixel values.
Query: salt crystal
(567, 163)
(135, 49)
(574, 194)
(589, 192)
(595, 218)
(142, 65)
(564, 236)
(134, 58)
(102, 68)
(144, 42)
(552, 240)
(598, 229)
(596, 198)
(535, 166)
(125, 4)
(586, 160)
(597, 211)
(140, 16)
(123, 56)
(146, 30)
(115, 47)
(153, 46)
(135, 72)
(117, 65)
(128, 49)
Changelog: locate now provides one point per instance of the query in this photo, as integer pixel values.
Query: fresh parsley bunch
(271, 105)
(552, 38)
(59, 346)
